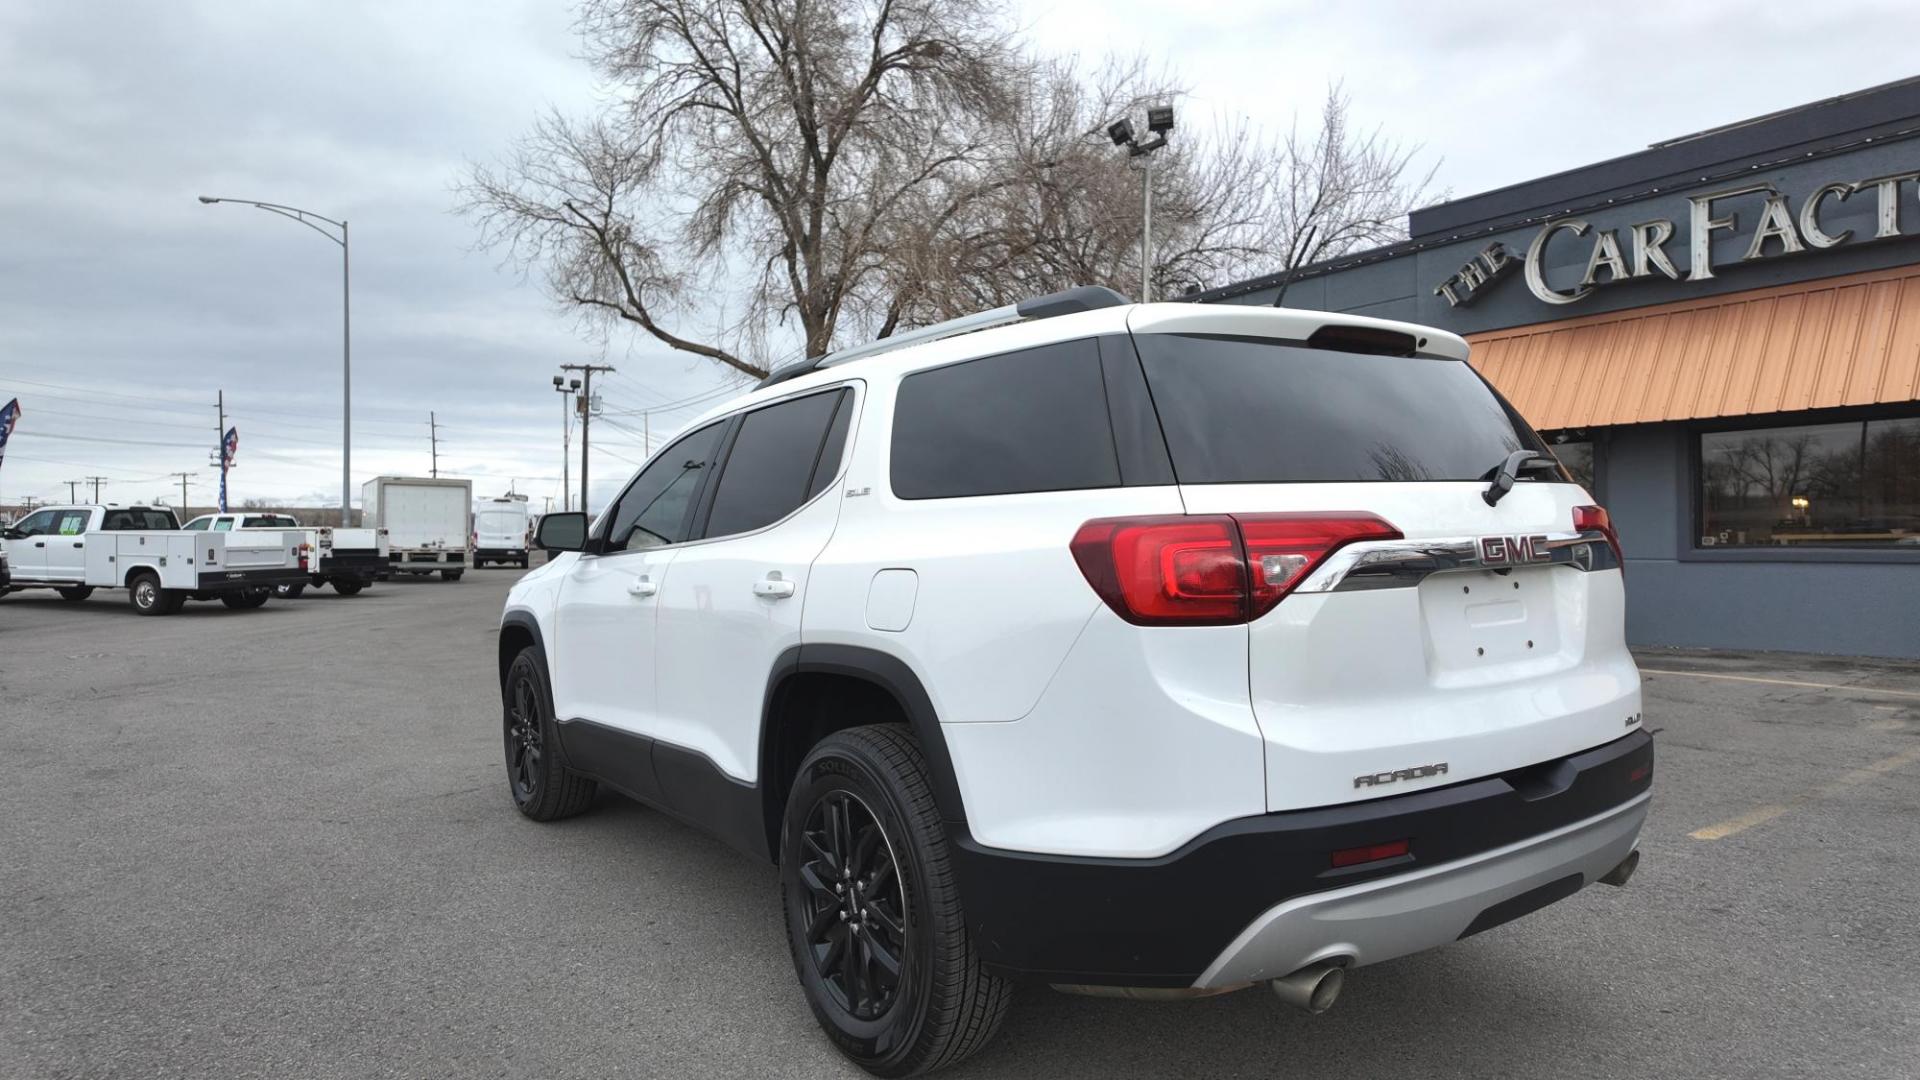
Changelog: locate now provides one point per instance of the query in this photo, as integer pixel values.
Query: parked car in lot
(348, 559)
(1146, 650)
(77, 549)
(427, 522)
(502, 531)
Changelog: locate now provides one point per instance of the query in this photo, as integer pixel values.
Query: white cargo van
(502, 531)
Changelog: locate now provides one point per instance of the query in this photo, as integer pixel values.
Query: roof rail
(1066, 302)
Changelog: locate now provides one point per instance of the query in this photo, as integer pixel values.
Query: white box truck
(502, 531)
(428, 523)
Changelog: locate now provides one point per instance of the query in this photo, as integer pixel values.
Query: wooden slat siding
(1863, 382)
(1901, 380)
(1809, 351)
(1778, 356)
(1852, 340)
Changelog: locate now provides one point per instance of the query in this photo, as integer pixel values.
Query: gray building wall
(1796, 601)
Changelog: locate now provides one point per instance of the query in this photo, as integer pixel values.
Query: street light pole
(586, 420)
(309, 219)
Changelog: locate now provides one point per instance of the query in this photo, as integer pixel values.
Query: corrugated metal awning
(1852, 340)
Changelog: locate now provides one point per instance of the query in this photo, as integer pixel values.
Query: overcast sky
(125, 304)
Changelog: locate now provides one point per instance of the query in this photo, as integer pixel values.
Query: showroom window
(1575, 451)
(1854, 484)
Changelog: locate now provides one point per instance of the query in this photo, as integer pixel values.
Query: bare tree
(868, 164)
(788, 137)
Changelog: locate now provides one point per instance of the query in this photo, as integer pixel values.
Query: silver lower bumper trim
(1389, 917)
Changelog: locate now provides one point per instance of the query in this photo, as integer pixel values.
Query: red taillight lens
(1210, 570)
(1371, 853)
(1281, 548)
(1597, 519)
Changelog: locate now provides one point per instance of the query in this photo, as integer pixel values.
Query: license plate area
(1486, 620)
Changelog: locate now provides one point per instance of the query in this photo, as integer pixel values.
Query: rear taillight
(1210, 570)
(1597, 519)
(1371, 853)
(305, 550)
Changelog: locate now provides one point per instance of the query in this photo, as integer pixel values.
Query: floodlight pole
(309, 219)
(1146, 229)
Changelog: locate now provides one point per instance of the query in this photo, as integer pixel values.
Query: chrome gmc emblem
(1513, 550)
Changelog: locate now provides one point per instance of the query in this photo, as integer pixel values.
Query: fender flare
(892, 675)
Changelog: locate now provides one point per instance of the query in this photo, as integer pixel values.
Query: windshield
(1252, 411)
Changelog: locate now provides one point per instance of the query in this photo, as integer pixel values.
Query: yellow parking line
(1782, 682)
(1764, 814)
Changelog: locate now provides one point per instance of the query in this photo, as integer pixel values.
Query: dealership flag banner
(9, 416)
(228, 447)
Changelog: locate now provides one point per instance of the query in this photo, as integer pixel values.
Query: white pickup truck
(347, 559)
(79, 548)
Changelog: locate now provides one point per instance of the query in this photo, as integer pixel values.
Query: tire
(526, 562)
(542, 788)
(348, 586)
(148, 598)
(942, 1007)
(450, 575)
(289, 592)
(76, 593)
(246, 599)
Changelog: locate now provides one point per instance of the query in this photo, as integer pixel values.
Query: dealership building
(1720, 335)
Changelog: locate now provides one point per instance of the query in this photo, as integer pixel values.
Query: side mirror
(11, 533)
(565, 531)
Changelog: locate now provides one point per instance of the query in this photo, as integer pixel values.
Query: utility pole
(96, 481)
(433, 437)
(183, 486)
(220, 444)
(72, 495)
(585, 408)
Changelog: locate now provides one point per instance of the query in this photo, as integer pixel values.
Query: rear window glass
(137, 520)
(1034, 420)
(1246, 411)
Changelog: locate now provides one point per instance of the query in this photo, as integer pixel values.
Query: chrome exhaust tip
(1313, 988)
(1619, 875)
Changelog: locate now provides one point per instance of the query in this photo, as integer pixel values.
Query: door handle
(642, 587)
(39, 543)
(773, 587)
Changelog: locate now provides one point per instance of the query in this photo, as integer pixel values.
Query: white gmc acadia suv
(1148, 650)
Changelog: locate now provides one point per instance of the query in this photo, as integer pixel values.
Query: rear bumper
(1392, 917)
(353, 564)
(499, 553)
(1260, 892)
(222, 580)
(437, 560)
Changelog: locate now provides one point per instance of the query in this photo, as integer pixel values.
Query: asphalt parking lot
(277, 843)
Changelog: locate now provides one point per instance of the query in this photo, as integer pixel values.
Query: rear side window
(770, 469)
(1250, 411)
(1034, 420)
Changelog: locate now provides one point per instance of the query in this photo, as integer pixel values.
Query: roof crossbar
(1066, 302)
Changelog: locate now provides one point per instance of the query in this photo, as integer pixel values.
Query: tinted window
(836, 445)
(770, 468)
(137, 520)
(1853, 484)
(1244, 411)
(269, 521)
(653, 509)
(1034, 420)
(37, 523)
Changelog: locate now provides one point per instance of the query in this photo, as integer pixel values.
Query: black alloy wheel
(873, 915)
(524, 743)
(855, 908)
(543, 789)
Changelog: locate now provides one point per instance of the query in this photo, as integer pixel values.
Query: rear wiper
(1509, 470)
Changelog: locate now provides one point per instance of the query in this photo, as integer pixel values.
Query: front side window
(1027, 421)
(1852, 484)
(653, 511)
(769, 471)
(198, 524)
(38, 523)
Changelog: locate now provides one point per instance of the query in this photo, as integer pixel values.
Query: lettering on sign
(1778, 226)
